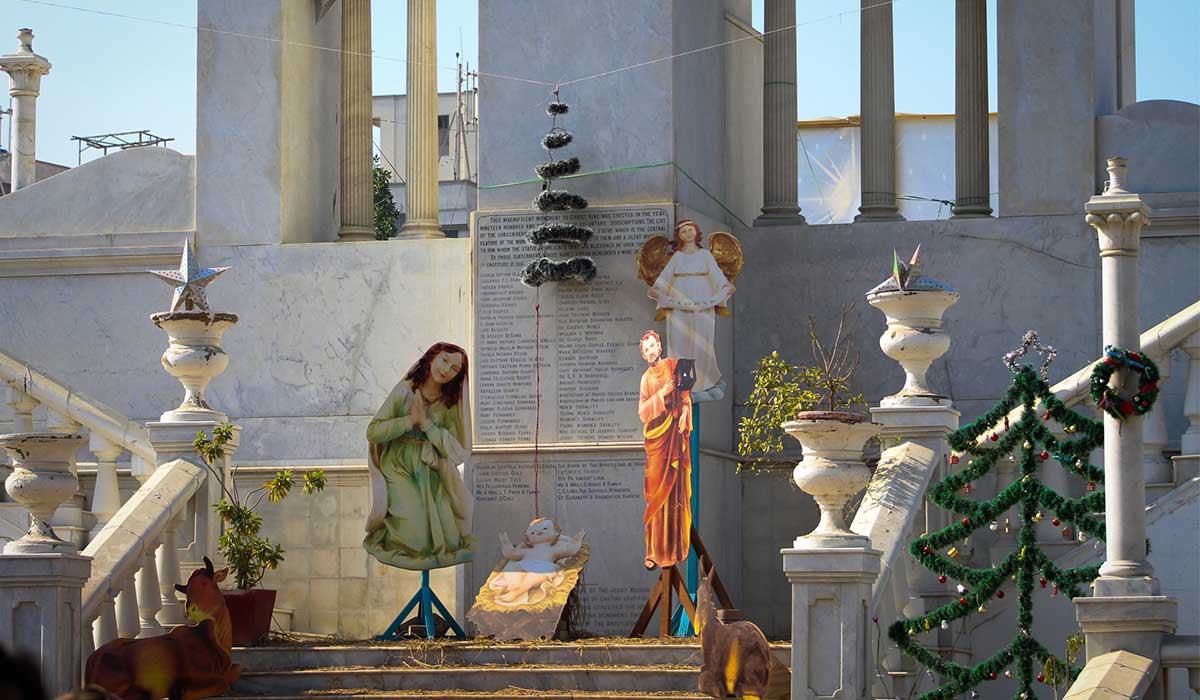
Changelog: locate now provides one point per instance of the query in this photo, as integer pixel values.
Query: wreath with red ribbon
(1110, 401)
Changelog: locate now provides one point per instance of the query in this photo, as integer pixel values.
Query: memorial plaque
(589, 357)
(600, 492)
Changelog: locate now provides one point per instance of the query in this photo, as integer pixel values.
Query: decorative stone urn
(832, 471)
(41, 480)
(914, 335)
(194, 356)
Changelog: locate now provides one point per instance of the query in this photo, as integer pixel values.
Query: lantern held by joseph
(421, 512)
(691, 280)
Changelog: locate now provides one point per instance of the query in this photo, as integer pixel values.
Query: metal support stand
(681, 625)
(427, 600)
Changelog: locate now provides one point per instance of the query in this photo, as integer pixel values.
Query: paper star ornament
(189, 281)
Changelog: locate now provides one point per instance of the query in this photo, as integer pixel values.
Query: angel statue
(692, 284)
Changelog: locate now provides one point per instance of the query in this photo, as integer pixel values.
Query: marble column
(779, 115)
(25, 70)
(878, 106)
(971, 159)
(356, 183)
(421, 147)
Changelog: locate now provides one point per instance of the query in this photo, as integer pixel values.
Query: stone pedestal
(40, 601)
(831, 591)
(200, 527)
(1126, 623)
(25, 70)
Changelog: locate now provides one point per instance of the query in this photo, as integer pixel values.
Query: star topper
(904, 274)
(1030, 340)
(189, 281)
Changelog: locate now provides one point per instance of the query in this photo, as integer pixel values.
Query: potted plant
(809, 403)
(248, 554)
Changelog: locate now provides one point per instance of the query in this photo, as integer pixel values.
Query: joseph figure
(666, 412)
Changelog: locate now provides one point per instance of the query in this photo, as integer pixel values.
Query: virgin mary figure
(689, 290)
(416, 443)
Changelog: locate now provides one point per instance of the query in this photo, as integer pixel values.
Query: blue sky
(119, 74)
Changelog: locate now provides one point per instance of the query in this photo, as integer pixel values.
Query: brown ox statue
(192, 661)
(737, 658)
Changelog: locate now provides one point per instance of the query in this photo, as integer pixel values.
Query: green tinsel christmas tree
(981, 445)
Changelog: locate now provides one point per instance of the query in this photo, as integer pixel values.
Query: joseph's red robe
(668, 488)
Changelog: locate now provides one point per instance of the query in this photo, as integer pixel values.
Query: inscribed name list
(588, 353)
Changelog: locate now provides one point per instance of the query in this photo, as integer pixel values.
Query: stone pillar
(1126, 613)
(971, 157)
(40, 600)
(1189, 442)
(25, 70)
(1154, 437)
(356, 183)
(878, 106)
(421, 147)
(779, 115)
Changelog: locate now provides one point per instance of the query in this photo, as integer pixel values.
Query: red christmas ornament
(1091, 486)
(1056, 522)
(927, 549)
(966, 521)
(941, 579)
(968, 488)
(992, 676)
(1127, 407)
(1041, 678)
(962, 601)
(1046, 415)
(1044, 455)
(954, 459)
(1042, 581)
(999, 594)
(1067, 534)
(995, 437)
(1006, 422)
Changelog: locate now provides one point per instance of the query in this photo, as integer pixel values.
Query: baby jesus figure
(531, 572)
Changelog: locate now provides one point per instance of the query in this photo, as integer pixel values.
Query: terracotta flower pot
(250, 611)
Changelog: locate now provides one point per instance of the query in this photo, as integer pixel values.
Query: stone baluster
(129, 625)
(779, 115)
(421, 146)
(878, 105)
(149, 595)
(171, 612)
(1189, 442)
(22, 405)
(106, 498)
(68, 519)
(104, 627)
(1127, 611)
(1154, 435)
(971, 157)
(356, 193)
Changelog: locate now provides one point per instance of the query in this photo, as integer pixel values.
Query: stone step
(468, 654)
(469, 695)
(486, 679)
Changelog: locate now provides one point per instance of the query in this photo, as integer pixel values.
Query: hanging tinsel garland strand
(563, 234)
(542, 270)
(1028, 565)
(1110, 401)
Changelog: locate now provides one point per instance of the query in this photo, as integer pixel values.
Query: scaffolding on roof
(121, 140)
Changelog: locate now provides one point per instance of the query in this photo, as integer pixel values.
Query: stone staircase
(476, 670)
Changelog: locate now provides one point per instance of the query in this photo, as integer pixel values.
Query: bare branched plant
(835, 363)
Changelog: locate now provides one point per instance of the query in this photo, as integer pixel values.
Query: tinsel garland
(559, 200)
(556, 108)
(557, 138)
(558, 168)
(543, 270)
(566, 234)
(985, 446)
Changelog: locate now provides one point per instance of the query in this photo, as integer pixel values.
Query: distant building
(44, 170)
(458, 154)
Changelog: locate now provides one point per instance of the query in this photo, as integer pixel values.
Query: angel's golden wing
(727, 252)
(652, 258)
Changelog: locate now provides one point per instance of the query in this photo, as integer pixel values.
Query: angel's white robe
(689, 288)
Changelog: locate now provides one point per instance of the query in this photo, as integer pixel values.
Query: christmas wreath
(1110, 401)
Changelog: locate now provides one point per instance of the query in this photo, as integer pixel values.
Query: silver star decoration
(1030, 340)
(189, 281)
